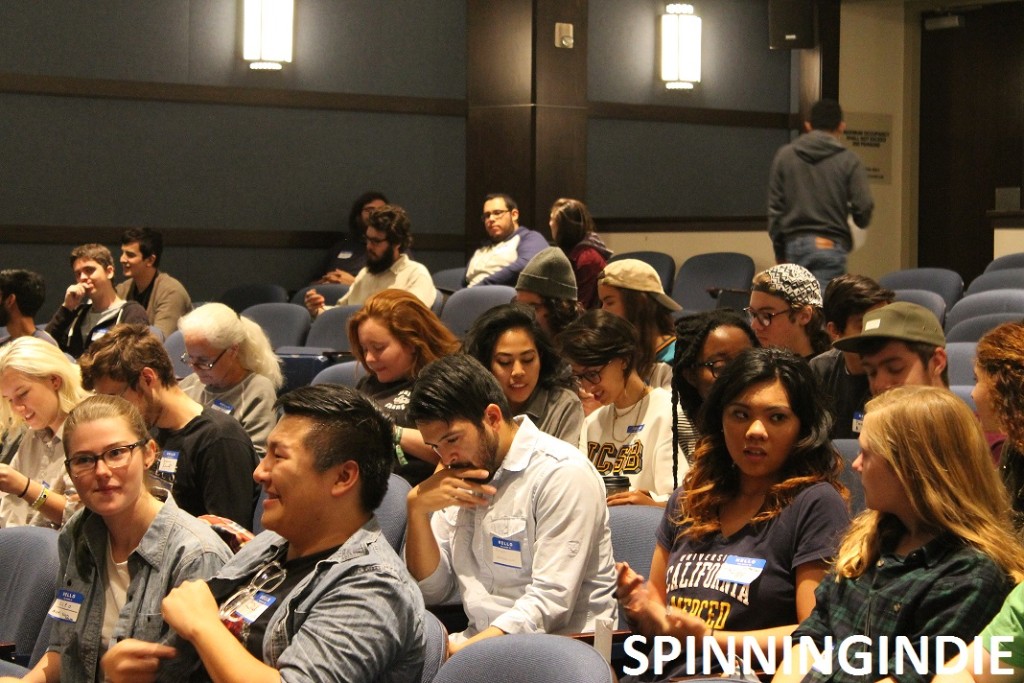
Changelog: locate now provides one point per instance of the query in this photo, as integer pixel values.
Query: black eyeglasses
(115, 458)
(763, 317)
(590, 376)
(375, 240)
(715, 367)
(496, 214)
(201, 363)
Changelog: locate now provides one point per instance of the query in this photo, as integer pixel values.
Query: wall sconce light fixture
(680, 47)
(267, 39)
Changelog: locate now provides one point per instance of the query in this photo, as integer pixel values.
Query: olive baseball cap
(902, 321)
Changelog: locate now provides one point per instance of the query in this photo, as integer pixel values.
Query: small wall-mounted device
(563, 36)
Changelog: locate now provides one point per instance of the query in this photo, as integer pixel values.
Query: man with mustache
(516, 525)
(388, 237)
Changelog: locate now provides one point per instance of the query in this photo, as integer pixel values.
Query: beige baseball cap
(629, 273)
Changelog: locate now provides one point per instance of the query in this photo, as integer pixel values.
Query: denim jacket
(358, 616)
(177, 547)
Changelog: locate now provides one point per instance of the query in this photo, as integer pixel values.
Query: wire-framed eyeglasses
(247, 600)
(201, 363)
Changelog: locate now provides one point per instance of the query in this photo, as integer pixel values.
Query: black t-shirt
(393, 399)
(847, 393)
(210, 462)
(296, 570)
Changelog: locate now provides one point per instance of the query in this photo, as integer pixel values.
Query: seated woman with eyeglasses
(934, 554)
(394, 336)
(631, 433)
(39, 386)
(124, 552)
(748, 537)
(705, 344)
(236, 371)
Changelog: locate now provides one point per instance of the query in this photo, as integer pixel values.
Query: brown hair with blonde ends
(935, 446)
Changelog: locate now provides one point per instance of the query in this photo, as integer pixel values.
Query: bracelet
(28, 481)
(38, 503)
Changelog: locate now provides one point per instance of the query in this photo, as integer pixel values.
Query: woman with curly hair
(748, 536)
(394, 336)
(924, 560)
(705, 343)
(999, 397)
(509, 341)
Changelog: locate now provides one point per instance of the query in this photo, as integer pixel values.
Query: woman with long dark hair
(761, 510)
(509, 341)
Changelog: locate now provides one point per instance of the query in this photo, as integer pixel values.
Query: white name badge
(741, 570)
(169, 462)
(506, 552)
(66, 606)
(858, 421)
(223, 407)
(251, 609)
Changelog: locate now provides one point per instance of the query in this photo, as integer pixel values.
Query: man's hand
(74, 296)
(134, 661)
(450, 487)
(337, 277)
(314, 302)
(190, 609)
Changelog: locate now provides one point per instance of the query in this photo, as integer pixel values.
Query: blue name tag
(741, 570)
(633, 429)
(223, 407)
(66, 606)
(506, 552)
(168, 462)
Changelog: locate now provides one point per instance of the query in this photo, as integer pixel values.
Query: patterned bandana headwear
(795, 284)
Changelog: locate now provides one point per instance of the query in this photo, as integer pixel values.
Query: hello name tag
(251, 609)
(506, 552)
(741, 570)
(169, 462)
(634, 429)
(858, 421)
(66, 606)
(223, 407)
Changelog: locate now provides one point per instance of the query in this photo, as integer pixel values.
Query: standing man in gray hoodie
(815, 184)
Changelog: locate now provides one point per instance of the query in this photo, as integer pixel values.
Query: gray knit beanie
(549, 274)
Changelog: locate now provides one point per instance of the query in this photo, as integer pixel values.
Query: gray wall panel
(111, 162)
(381, 47)
(661, 169)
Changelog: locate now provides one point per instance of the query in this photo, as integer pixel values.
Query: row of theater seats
(994, 297)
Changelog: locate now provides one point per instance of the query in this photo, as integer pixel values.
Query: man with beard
(388, 237)
(516, 525)
(206, 457)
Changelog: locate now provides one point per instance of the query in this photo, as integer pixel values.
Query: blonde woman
(236, 371)
(933, 555)
(39, 387)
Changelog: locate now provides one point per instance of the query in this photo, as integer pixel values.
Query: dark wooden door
(972, 108)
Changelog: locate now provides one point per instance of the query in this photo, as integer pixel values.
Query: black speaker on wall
(791, 24)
